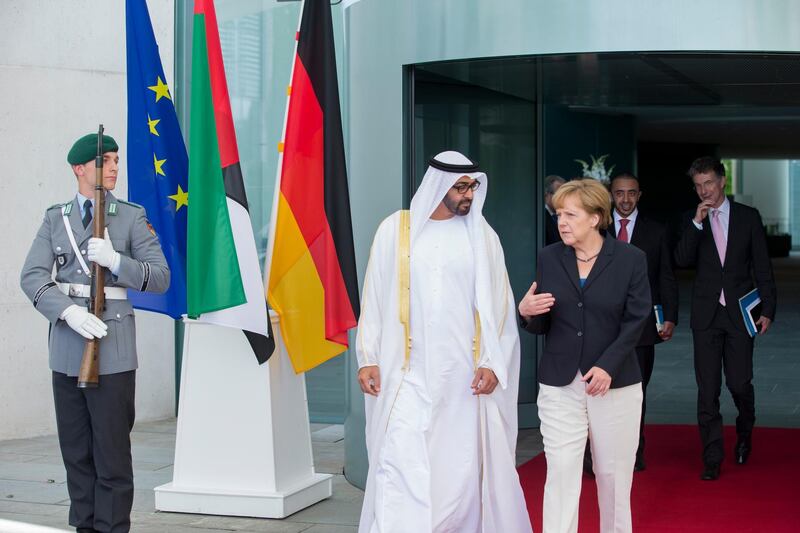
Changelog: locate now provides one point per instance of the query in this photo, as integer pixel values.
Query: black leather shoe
(639, 465)
(710, 473)
(742, 451)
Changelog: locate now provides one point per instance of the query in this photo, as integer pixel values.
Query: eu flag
(157, 160)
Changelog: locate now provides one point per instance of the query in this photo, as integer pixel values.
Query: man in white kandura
(437, 334)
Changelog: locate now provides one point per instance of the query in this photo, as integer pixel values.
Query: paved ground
(33, 490)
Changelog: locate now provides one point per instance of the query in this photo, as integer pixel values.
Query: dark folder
(659, 313)
(750, 306)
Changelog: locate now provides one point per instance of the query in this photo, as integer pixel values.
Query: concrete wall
(62, 71)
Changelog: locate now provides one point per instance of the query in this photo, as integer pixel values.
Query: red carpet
(762, 496)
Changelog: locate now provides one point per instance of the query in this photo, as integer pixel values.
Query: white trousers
(567, 415)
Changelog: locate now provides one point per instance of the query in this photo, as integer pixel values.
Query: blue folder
(747, 305)
(659, 312)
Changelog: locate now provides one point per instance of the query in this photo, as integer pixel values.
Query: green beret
(85, 148)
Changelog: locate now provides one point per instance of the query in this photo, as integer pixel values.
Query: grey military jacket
(142, 267)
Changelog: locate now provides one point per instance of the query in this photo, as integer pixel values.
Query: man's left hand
(666, 333)
(763, 323)
(485, 381)
(101, 251)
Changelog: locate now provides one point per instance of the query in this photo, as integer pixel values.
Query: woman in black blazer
(591, 299)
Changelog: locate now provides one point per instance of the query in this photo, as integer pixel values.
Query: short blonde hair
(591, 194)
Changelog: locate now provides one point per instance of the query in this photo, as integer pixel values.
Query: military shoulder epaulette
(129, 203)
(58, 205)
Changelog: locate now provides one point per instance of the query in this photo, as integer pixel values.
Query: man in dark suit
(726, 243)
(649, 236)
(551, 185)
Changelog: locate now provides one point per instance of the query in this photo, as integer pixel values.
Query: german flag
(311, 263)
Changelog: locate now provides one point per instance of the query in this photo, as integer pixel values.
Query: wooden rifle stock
(89, 373)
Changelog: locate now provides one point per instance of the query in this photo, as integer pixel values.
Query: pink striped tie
(720, 241)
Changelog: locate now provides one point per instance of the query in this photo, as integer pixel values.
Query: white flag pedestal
(243, 443)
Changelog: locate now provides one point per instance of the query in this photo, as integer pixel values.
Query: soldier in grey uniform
(94, 425)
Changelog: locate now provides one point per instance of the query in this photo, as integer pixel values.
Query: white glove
(101, 251)
(84, 323)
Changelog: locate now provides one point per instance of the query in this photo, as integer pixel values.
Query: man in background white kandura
(438, 355)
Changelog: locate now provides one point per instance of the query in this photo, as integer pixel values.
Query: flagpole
(273, 216)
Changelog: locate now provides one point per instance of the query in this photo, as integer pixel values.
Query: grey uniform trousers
(94, 427)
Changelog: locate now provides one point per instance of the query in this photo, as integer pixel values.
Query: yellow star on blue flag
(158, 164)
(161, 89)
(181, 198)
(152, 123)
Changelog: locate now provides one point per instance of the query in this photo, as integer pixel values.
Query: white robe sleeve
(368, 338)
(502, 303)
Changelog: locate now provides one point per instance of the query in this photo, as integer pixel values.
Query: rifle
(88, 375)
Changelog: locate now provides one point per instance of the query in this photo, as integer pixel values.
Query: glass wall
(794, 203)
(766, 184)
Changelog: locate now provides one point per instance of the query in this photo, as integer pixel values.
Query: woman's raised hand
(533, 304)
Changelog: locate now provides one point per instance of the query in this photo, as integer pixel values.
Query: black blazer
(551, 233)
(597, 325)
(651, 237)
(747, 265)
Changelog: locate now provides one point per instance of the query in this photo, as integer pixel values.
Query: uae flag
(224, 282)
(311, 266)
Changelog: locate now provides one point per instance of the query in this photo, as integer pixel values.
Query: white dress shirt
(632, 222)
(724, 216)
(82, 201)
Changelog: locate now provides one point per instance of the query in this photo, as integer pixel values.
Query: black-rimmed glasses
(462, 186)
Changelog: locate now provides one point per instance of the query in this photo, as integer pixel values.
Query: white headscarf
(435, 185)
